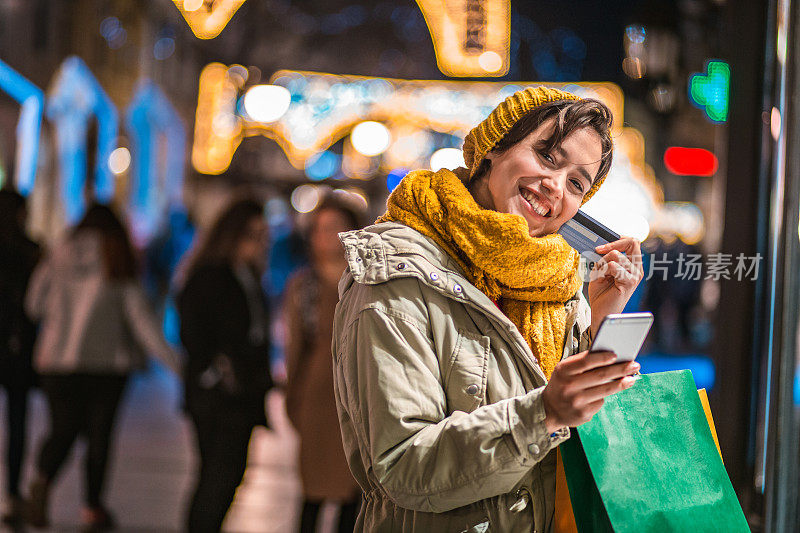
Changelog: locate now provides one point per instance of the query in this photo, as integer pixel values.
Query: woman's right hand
(579, 385)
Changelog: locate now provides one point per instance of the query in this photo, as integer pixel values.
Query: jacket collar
(391, 250)
(388, 250)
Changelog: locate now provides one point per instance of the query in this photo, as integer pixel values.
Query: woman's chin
(535, 230)
(537, 225)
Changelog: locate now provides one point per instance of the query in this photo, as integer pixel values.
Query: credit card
(584, 233)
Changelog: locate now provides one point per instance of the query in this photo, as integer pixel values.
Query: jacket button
(434, 276)
(523, 498)
(472, 389)
(533, 448)
(401, 266)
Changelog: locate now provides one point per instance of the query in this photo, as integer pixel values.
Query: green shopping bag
(647, 462)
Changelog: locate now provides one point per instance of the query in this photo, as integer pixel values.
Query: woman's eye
(578, 185)
(547, 157)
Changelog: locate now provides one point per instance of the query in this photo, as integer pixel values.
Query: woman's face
(546, 189)
(253, 244)
(325, 233)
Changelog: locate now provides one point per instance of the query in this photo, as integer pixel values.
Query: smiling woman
(461, 335)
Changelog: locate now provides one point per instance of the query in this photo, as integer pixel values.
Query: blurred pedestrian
(95, 328)
(225, 330)
(310, 302)
(18, 258)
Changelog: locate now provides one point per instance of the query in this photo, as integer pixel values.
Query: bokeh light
(192, 5)
(395, 177)
(277, 211)
(238, 75)
(711, 91)
(164, 48)
(450, 158)
(775, 123)
(685, 220)
(267, 103)
(490, 61)
(112, 31)
(119, 160)
(635, 34)
(370, 138)
(633, 67)
(358, 196)
(638, 227)
(322, 166)
(305, 198)
(109, 27)
(690, 161)
(624, 222)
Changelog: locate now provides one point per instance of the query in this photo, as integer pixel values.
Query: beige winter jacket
(439, 396)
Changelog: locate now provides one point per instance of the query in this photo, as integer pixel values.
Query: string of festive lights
(323, 108)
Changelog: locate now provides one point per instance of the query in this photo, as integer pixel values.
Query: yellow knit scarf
(530, 277)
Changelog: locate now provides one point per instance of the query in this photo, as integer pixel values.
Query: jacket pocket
(465, 378)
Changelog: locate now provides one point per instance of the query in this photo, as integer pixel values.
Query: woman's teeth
(538, 208)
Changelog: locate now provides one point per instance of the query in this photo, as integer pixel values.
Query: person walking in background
(18, 258)
(95, 328)
(224, 328)
(310, 301)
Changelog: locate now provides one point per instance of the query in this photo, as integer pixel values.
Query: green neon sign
(710, 91)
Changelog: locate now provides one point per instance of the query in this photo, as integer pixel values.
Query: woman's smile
(537, 206)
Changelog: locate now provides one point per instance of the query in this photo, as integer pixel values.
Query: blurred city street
(153, 461)
(202, 202)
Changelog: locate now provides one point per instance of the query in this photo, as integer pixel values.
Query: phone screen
(623, 334)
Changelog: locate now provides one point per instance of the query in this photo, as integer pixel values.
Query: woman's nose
(553, 183)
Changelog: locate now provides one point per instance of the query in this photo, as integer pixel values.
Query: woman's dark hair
(119, 259)
(336, 202)
(570, 115)
(220, 244)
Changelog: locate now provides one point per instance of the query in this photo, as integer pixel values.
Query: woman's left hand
(614, 278)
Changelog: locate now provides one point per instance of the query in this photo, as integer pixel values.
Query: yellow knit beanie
(485, 136)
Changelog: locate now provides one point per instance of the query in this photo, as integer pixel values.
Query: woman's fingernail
(636, 366)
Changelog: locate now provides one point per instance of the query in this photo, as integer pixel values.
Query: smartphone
(584, 233)
(622, 334)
